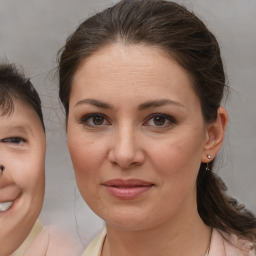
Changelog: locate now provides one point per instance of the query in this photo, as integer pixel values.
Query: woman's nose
(126, 149)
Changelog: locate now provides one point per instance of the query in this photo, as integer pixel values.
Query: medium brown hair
(184, 37)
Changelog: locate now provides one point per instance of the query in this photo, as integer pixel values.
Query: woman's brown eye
(98, 120)
(159, 120)
(94, 120)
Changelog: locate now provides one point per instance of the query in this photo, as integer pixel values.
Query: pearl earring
(207, 165)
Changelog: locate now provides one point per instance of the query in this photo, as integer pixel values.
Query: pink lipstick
(127, 189)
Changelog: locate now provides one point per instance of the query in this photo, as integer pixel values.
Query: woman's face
(136, 136)
(22, 153)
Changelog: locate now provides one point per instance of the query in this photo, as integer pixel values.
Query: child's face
(22, 153)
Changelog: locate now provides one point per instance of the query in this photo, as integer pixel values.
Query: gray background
(32, 31)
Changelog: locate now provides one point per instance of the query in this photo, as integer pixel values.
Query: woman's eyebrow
(159, 103)
(97, 103)
(145, 105)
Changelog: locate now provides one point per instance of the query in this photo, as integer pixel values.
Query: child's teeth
(5, 206)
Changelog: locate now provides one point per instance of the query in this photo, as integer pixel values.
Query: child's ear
(215, 135)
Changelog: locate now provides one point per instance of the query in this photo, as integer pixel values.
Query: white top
(231, 246)
(30, 238)
(48, 241)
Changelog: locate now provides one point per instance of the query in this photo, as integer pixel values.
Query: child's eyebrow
(23, 128)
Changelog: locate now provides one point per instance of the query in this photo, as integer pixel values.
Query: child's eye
(94, 120)
(14, 140)
(160, 120)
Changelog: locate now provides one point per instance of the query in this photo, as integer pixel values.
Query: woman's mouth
(127, 189)
(5, 206)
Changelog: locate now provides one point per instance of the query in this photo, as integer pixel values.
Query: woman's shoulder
(223, 244)
(51, 242)
(95, 247)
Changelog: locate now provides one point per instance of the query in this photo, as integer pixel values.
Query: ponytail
(220, 211)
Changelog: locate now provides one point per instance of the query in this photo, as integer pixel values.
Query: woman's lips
(127, 189)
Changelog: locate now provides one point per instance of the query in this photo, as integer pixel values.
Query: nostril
(2, 168)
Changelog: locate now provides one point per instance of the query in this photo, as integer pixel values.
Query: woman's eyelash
(14, 140)
(95, 119)
(98, 120)
(160, 120)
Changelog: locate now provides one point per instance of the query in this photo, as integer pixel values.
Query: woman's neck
(176, 238)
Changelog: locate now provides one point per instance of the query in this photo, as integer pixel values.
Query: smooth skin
(134, 114)
(22, 152)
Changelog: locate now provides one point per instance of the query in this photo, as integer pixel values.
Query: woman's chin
(128, 222)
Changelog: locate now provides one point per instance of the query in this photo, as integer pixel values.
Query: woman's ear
(215, 135)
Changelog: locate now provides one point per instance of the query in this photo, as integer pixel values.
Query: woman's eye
(160, 120)
(14, 140)
(94, 120)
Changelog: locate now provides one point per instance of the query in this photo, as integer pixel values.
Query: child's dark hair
(15, 86)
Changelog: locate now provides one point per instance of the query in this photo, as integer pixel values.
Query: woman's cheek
(82, 156)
